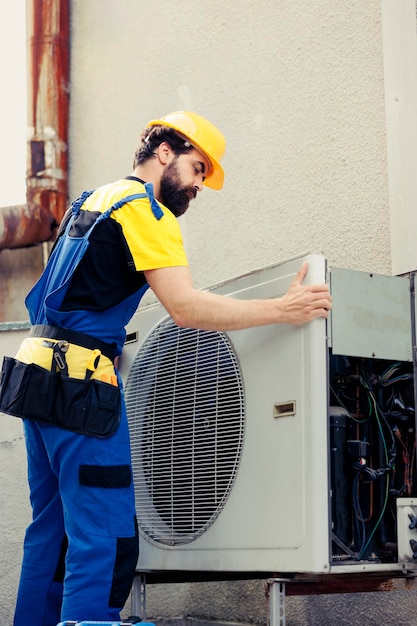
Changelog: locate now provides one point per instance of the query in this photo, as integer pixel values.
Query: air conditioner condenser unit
(247, 445)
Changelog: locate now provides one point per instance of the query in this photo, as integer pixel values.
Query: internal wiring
(385, 376)
(378, 440)
(337, 396)
(384, 507)
(373, 474)
(390, 454)
(408, 462)
(358, 513)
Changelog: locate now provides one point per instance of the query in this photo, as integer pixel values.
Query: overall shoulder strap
(156, 209)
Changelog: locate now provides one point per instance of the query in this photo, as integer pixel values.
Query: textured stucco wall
(14, 495)
(297, 88)
(19, 268)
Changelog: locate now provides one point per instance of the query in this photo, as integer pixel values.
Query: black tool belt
(88, 407)
(83, 405)
(73, 336)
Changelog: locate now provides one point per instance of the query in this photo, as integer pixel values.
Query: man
(82, 546)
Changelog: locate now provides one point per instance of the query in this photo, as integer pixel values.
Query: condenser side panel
(371, 315)
(275, 516)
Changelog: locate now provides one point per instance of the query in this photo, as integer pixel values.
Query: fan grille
(185, 406)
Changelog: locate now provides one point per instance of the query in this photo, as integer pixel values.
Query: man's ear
(165, 153)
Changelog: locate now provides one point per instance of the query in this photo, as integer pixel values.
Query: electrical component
(374, 464)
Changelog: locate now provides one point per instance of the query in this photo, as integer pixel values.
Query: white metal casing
(276, 515)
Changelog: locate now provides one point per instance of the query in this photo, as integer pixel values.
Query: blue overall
(81, 548)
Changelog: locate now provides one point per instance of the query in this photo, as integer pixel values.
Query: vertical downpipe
(48, 105)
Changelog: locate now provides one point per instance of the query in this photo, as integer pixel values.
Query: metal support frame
(276, 596)
(276, 589)
(138, 596)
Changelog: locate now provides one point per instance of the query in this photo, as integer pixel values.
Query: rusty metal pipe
(25, 224)
(48, 105)
(48, 110)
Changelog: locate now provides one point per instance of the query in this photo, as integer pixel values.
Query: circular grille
(185, 406)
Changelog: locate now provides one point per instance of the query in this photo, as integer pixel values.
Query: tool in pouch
(59, 349)
(92, 364)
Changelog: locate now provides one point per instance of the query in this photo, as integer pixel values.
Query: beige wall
(14, 493)
(296, 87)
(298, 90)
(19, 268)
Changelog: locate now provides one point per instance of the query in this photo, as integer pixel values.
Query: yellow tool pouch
(87, 406)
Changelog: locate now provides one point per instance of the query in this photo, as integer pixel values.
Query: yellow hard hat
(204, 136)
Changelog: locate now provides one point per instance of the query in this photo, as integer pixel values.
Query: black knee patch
(107, 476)
(60, 569)
(124, 568)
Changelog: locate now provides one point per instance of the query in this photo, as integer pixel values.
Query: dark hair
(153, 136)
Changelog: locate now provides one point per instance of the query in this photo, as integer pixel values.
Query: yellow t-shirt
(153, 243)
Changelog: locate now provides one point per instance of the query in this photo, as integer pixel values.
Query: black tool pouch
(88, 407)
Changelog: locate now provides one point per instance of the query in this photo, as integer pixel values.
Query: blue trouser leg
(40, 596)
(96, 491)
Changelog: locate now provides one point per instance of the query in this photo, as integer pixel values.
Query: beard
(173, 193)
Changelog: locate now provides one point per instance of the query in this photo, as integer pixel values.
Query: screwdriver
(92, 363)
